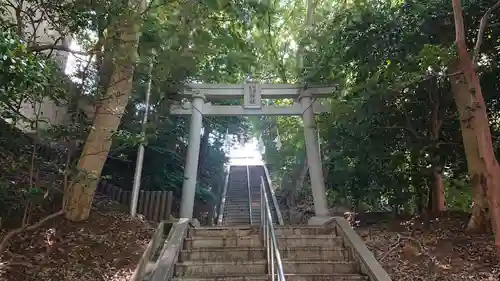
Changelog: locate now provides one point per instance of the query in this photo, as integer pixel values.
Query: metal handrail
(270, 242)
(273, 196)
(223, 197)
(249, 189)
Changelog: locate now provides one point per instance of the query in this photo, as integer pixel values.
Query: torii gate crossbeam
(252, 95)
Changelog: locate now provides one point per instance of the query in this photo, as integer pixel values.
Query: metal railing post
(275, 265)
(249, 188)
(223, 197)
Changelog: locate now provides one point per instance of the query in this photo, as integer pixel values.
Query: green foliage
(192, 42)
(458, 196)
(389, 62)
(24, 77)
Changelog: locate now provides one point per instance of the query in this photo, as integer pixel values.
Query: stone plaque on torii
(251, 96)
(202, 95)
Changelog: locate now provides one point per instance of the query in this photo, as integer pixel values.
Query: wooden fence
(156, 205)
(153, 205)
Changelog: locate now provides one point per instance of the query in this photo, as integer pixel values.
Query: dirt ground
(444, 252)
(107, 247)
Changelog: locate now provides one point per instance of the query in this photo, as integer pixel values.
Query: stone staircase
(236, 210)
(238, 254)
(256, 172)
(235, 251)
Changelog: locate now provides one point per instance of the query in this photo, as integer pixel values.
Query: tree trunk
(483, 167)
(436, 203)
(203, 149)
(416, 179)
(79, 195)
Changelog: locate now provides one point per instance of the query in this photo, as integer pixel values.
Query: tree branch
(45, 47)
(459, 29)
(10, 234)
(482, 27)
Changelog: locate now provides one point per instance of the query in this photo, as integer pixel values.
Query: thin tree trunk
(483, 167)
(79, 195)
(436, 203)
(203, 149)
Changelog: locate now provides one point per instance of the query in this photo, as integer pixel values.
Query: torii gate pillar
(193, 152)
(313, 157)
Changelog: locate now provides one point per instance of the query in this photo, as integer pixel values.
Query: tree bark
(483, 167)
(79, 195)
(203, 149)
(436, 202)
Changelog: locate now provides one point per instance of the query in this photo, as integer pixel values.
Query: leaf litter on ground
(444, 251)
(106, 247)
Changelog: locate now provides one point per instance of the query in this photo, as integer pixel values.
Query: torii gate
(252, 94)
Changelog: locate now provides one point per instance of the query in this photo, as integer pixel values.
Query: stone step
(326, 241)
(238, 222)
(237, 215)
(239, 203)
(246, 231)
(288, 277)
(236, 208)
(237, 218)
(240, 254)
(238, 268)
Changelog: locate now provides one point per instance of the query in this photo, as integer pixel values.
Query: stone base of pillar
(319, 220)
(195, 222)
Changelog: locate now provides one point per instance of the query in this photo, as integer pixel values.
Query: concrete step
(288, 277)
(252, 241)
(232, 204)
(189, 268)
(240, 254)
(322, 267)
(238, 268)
(240, 203)
(245, 231)
(237, 211)
(238, 216)
(236, 208)
(238, 222)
